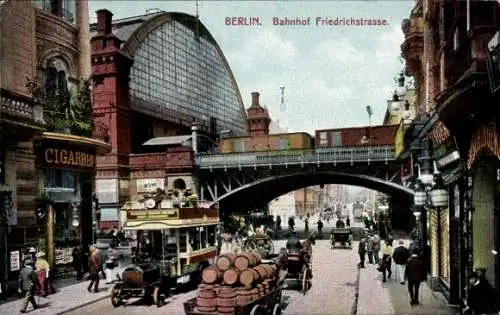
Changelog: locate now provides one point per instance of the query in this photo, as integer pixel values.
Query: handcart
(342, 236)
(267, 304)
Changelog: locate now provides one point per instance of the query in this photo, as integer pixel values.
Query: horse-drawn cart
(269, 303)
(342, 236)
(298, 269)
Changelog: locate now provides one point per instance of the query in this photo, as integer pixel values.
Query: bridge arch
(265, 190)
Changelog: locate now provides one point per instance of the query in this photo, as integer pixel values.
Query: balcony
(297, 157)
(468, 79)
(21, 112)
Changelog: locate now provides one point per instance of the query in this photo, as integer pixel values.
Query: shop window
(109, 214)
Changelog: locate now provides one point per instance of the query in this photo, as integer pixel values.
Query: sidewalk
(65, 300)
(377, 297)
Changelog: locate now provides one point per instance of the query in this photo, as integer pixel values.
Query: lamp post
(370, 113)
(430, 191)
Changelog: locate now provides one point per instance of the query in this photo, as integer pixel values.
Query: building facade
(49, 143)
(445, 51)
(156, 76)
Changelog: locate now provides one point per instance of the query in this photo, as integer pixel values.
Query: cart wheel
(157, 298)
(116, 300)
(277, 309)
(255, 310)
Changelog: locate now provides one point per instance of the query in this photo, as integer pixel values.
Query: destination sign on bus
(152, 214)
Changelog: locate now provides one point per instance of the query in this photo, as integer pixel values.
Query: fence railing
(296, 157)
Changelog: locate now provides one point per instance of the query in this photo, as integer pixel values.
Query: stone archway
(483, 217)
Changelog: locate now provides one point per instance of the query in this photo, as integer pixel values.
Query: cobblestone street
(333, 292)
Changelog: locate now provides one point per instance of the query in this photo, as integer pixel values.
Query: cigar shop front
(65, 171)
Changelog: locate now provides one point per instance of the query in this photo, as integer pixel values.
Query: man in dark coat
(27, 285)
(415, 274)
(77, 261)
(481, 297)
(293, 244)
(362, 251)
(400, 257)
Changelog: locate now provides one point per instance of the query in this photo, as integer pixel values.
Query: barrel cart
(143, 280)
(238, 284)
(341, 236)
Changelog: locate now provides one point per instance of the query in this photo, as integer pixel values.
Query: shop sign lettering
(69, 157)
(152, 214)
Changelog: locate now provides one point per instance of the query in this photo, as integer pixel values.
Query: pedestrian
(376, 248)
(369, 248)
(320, 228)
(348, 222)
(94, 266)
(306, 226)
(400, 257)
(362, 251)
(27, 285)
(415, 274)
(386, 260)
(481, 297)
(42, 269)
(77, 261)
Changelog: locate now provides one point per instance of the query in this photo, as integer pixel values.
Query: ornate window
(55, 81)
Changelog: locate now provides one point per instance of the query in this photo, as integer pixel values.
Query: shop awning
(172, 140)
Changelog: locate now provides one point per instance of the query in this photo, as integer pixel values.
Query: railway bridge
(259, 177)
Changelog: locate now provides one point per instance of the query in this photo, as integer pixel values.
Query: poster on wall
(15, 261)
(107, 190)
(150, 185)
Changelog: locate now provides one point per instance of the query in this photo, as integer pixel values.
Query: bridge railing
(296, 157)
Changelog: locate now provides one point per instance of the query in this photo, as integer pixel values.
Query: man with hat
(27, 285)
(400, 256)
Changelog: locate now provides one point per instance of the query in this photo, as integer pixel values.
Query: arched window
(56, 81)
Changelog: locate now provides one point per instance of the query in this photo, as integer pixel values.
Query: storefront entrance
(485, 240)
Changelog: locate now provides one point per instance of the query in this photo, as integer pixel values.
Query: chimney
(255, 99)
(104, 20)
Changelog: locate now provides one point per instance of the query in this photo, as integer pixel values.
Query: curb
(354, 309)
(74, 308)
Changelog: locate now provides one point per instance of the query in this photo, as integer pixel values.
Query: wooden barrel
(269, 269)
(255, 294)
(257, 258)
(231, 276)
(261, 271)
(224, 262)
(245, 261)
(226, 300)
(206, 300)
(248, 277)
(211, 275)
(243, 296)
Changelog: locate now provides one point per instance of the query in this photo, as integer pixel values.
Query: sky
(330, 73)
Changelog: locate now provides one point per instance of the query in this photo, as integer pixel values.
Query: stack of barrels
(234, 280)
